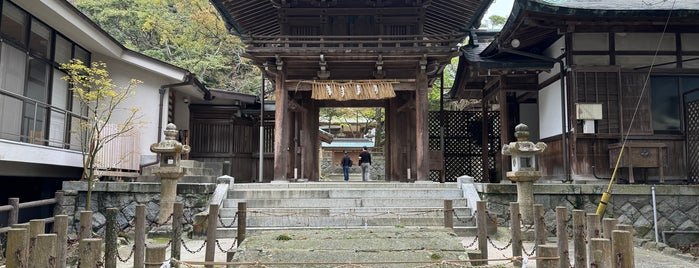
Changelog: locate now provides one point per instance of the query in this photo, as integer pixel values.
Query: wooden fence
(609, 244)
(121, 153)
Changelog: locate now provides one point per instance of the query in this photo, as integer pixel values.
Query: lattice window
(463, 142)
(600, 87)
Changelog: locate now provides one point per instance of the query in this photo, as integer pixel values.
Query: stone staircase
(194, 172)
(344, 205)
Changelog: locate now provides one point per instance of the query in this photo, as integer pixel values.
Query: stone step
(342, 203)
(414, 193)
(184, 179)
(406, 212)
(344, 185)
(232, 232)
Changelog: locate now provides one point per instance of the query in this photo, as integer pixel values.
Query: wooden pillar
(388, 159)
(17, 247)
(504, 128)
(449, 214)
(484, 142)
(315, 146)
(212, 222)
(422, 135)
(579, 244)
(60, 228)
(46, 244)
(281, 128)
(562, 235)
(394, 142)
(36, 227)
(90, 252)
(540, 235)
(110, 239)
(85, 225)
(482, 224)
(622, 249)
(516, 231)
(608, 225)
(600, 252)
(549, 256)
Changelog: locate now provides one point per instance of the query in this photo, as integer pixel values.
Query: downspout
(564, 128)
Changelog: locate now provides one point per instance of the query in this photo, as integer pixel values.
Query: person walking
(346, 164)
(365, 163)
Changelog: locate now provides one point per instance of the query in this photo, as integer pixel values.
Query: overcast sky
(499, 7)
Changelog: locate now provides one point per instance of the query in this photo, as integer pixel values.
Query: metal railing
(31, 127)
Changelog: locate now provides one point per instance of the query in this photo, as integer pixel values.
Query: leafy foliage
(186, 33)
(102, 101)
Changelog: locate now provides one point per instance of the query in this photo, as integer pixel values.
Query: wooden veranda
(307, 46)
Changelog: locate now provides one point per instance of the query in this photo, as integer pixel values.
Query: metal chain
(127, 258)
(475, 239)
(155, 223)
(509, 243)
(218, 244)
(491, 218)
(525, 251)
(456, 215)
(184, 245)
(220, 220)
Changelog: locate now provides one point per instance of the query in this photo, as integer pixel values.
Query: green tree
(102, 101)
(497, 21)
(448, 74)
(186, 33)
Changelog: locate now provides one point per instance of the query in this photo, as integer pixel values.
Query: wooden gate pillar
(281, 127)
(422, 127)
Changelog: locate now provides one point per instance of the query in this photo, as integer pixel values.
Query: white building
(37, 111)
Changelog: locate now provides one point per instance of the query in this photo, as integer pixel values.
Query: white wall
(550, 112)
(550, 107)
(146, 98)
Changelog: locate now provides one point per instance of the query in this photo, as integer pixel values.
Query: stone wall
(126, 196)
(677, 206)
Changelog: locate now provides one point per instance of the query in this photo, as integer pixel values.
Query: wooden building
(592, 76)
(348, 53)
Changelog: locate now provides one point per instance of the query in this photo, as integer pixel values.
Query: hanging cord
(607, 194)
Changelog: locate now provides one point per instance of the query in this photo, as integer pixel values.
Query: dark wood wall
(218, 135)
(626, 108)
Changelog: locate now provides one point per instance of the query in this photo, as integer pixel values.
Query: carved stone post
(169, 151)
(524, 169)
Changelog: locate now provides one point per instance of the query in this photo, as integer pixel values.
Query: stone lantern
(524, 169)
(169, 151)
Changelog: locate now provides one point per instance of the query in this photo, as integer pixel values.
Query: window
(35, 103)
(34, 116)
(666, 94)
(12, 73)
(40, 40)
(665, 100)
(14, 23)
(64, 50)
